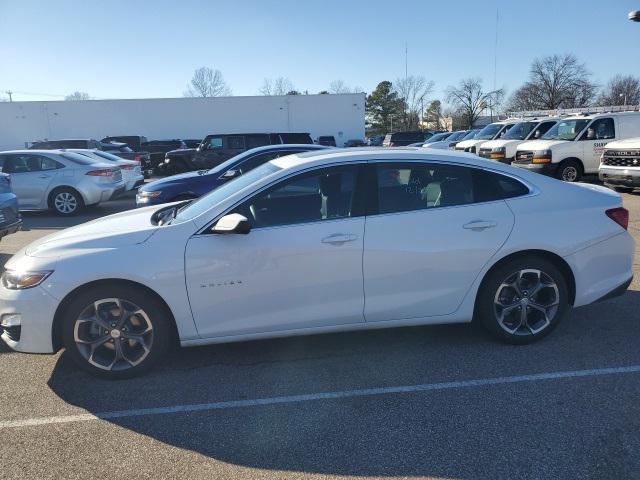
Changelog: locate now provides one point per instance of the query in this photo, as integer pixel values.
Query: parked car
(376, 141)
(439, 140)
(122, 150)
(620, 165)
(327, 140)
(88, 143)
(134, 142)
(403, 139)
(504, 148)
(355, 142)
(490, 132)
(64, 182)
(10, 219)
(471, 134)
(283, 250)
(186, 186)
(159, 148)
(131, 170)
(216, 149)
(573, 146)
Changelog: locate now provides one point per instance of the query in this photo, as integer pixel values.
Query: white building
(159, 118)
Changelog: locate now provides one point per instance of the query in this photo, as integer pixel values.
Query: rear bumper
(616, 292)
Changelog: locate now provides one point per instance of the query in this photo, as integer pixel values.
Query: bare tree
(207, 82)
(470, 99)
(276, 86)
(621, 90)
(77, 95)
(413, 91)
(556, 81)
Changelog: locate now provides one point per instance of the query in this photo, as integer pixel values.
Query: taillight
(620, 216)
(100, 173)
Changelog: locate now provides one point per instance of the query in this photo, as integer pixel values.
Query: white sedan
(321, 242)
(131, 169)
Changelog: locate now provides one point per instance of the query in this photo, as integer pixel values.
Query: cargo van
(575, 144)
(504, 148)
(490, 132)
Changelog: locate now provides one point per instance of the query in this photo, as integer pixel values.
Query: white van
(504, 148)
(620, 165)
(575, 144)
(490, 132)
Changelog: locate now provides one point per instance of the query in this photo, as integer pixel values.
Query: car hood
(172, 180)
(541, 144)
(182, 151)
(126, 228)
(500, 143)
(470, 143)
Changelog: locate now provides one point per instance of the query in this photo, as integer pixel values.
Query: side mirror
(591, 134)
(232, 223)
(231, 174)
(537, 134)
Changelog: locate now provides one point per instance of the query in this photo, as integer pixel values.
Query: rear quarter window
(491, 186)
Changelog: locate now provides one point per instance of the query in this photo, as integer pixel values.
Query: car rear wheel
(66, 202)
(116, 331)
(523, 300)
(569, 171)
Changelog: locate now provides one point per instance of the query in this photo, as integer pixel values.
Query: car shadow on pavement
(445, 433)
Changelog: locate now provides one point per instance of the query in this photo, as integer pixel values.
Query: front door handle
(44, 176)
(479, 225)
(339, 238)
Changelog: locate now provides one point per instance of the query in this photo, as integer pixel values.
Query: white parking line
(537, 377)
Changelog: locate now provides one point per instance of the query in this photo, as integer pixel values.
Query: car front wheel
(116, 331)
(523, 300)
(569, 171)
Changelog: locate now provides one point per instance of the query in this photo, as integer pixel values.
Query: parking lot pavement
(441, 402)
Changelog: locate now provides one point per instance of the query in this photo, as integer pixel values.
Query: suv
(490, 132)
(504, 149)
(89, 143)
(575, 144)
(218, 148)
(620, 165)
(402, 139)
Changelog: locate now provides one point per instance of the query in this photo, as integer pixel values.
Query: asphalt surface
(479, 411)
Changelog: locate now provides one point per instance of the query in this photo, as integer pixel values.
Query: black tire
(137, 360)
(623, 189)
(493, 295)
(569, 171)
(66, 202)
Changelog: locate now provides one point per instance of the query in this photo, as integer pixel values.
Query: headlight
(542, 156)
(18, 280)
(147, 194)
(498, 150)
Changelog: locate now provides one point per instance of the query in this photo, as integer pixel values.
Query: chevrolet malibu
(321, 242)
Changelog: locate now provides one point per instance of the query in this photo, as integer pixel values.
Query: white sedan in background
(131, 169)
(64, 182)
(321, 242)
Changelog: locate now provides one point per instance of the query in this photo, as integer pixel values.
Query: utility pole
(9, 92)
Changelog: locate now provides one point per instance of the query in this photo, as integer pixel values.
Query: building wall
(158, 118)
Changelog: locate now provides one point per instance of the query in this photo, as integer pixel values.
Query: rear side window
(491, 186)
(254, 141)
(296, 138)
(235, 143)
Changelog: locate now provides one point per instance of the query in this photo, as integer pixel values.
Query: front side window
(541, 129)
(601, 129)
(212, 143)
(324, 194)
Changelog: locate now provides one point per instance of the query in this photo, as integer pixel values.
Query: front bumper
(10, 227)
(543, 168)
(623, 177)
(36, 308)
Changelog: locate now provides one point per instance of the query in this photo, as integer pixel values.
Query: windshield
(219, 194)
(438, 137)
(489, 132)
(519, 131)
(456, 136)
(471, 135)
(566, 130)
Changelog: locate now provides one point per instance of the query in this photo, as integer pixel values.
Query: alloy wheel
(113, 334)
(526, 302)
(65, 203)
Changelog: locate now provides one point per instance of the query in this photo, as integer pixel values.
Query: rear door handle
(44, 176)
(339, 238)
(479, 225)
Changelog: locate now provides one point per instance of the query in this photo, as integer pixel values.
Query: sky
(146, 49)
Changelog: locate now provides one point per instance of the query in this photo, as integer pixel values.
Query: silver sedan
(64, 182)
